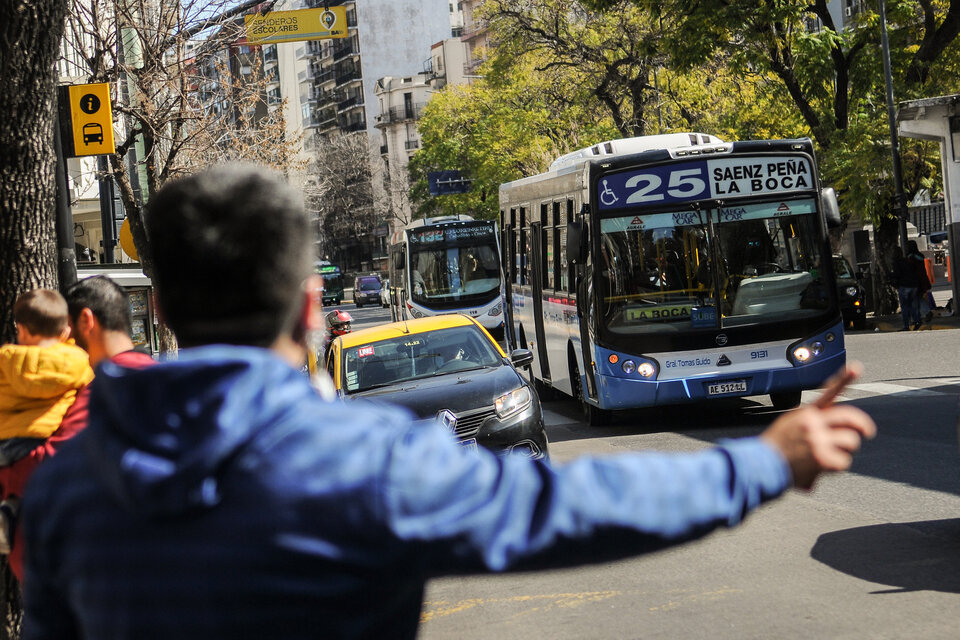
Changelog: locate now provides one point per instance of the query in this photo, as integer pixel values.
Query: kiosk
(142, 309)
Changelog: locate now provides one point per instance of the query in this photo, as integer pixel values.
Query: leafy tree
(512, 123)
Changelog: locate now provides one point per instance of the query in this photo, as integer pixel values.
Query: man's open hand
(821, 437)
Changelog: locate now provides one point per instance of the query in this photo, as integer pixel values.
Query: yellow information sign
(293, 26)
(91, 118)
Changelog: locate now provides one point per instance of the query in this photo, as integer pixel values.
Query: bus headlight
(513, 402)
(646, 369)
(851, 291)
(629, 366)
(805, 352)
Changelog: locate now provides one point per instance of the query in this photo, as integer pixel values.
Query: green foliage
(499, 129)
(568, 74)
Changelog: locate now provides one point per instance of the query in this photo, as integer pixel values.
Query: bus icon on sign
(92, 132)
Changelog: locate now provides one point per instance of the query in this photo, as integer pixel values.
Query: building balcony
(347, 76)
(353, 101)
(314, 47)
(383, 150)
(347, 49)
(412, 112)
(353, 126)
(270, 54)
(410, 145)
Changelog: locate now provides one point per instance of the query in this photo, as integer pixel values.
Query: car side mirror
(576, 242)
(521, 357)
(831, 208)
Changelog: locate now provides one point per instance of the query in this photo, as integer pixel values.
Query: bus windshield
(746, 264)
(456, 265)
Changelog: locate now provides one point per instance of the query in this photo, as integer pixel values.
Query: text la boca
(758, 176)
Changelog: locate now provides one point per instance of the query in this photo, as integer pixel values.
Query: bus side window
(567, 267)
(522, 248)
(556, 264)
(546, 247)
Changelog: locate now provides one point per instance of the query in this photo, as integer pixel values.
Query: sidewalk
(894, 322)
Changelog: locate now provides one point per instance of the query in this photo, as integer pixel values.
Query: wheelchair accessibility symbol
(607, 196)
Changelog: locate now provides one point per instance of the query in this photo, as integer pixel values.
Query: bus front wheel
(785, 400)
(594, 415)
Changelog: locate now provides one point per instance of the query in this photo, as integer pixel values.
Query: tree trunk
(27, 181)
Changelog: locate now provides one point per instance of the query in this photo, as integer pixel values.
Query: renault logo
(721, 339)
(447, 419)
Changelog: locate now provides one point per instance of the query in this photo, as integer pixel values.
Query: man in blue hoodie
(218, 496)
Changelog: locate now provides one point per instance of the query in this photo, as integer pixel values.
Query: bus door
(507, 250)
(537, 254)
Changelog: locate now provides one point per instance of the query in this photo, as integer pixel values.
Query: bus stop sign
(86, 120)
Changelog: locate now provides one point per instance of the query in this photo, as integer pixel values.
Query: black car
(851, 294)
(447, 369)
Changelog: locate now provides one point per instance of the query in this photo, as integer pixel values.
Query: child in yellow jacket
(39, 380)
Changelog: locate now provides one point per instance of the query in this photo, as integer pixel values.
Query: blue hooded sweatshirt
(217, 496)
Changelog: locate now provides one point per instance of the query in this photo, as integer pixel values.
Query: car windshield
(418, 355)
(671, 271)
(369, 284)
(842, 268)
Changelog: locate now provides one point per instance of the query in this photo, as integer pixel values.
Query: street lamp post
(900, 200)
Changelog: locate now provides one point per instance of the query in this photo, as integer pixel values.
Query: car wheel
(595, 416)
(785, 400)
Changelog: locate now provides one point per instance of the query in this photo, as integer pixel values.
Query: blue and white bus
(674, 268)
(447, 264)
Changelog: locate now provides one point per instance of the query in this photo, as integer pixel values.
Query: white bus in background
(448, 264)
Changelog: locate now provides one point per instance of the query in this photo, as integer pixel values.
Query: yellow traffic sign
(293, 26)
(126, 240)
(91, 119)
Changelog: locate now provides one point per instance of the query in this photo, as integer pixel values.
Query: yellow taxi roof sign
(90, 119)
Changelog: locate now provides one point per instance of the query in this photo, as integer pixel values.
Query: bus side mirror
(831, 208)
(576, 242)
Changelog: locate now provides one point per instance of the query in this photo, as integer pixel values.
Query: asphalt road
(873, 553)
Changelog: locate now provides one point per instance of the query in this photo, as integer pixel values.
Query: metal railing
(411, 144)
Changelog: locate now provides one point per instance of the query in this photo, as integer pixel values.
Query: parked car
(445, 368)
(850, 292)
(366, 290)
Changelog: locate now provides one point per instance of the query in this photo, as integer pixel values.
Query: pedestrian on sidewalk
(219, 496)
(925, 304)
(98, 311)
(40, 377)
(904, 278)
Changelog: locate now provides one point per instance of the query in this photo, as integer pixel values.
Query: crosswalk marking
(885, 388)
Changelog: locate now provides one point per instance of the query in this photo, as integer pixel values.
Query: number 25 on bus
(674, 268)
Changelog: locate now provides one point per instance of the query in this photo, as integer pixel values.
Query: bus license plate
(470, 443)
(733, 386)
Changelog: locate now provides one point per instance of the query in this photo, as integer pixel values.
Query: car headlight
(851, 291)
(513, 402)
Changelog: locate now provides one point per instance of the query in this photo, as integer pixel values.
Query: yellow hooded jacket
(38, 385)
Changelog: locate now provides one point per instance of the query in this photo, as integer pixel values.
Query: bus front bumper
(623, 393)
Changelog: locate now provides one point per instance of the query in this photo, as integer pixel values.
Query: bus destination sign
(722, 178)
(482, 231)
